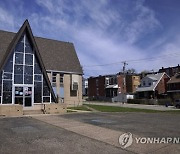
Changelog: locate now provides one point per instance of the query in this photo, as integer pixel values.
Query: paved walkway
(105, 135)
(139, 106)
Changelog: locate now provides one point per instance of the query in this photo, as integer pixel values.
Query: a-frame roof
(26, 29)
(56, 55)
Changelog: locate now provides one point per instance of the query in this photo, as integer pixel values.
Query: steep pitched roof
(156, 77)
(175, 78)
(7, 49)
(56, 55)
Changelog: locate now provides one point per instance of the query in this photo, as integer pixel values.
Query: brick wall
(96, 86)
(162, 85)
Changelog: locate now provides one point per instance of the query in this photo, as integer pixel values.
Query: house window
(73, 93)
(144, 83)
(61, 80)
(97, 82)
(149, 83)
(97, 91)
(54, 79)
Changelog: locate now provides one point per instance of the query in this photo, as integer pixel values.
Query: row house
(170, 71)
(153, 86)
(174, 86)
(110, 86)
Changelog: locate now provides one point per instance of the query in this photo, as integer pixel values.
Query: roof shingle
(56, 55)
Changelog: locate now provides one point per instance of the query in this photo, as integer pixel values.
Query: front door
(23, 95)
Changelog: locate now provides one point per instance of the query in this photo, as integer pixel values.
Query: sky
(105, 33)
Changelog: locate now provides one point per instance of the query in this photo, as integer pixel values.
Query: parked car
(177, 103)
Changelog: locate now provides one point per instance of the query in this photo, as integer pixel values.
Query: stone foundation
(11, 110)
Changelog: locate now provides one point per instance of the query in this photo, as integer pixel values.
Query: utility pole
(124, 81)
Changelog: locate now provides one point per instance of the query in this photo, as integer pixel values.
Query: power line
(135, 60)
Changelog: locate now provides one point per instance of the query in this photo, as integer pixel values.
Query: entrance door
(23, 95)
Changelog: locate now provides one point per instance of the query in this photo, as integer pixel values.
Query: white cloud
(6, 20)
(101, 33)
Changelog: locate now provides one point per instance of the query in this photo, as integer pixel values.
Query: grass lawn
(84, 108)
(102, 108)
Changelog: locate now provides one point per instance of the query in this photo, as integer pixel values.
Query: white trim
(158, 82)
(65, 72)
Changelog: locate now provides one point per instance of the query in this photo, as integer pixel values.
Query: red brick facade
(162, 85)
(96, 86)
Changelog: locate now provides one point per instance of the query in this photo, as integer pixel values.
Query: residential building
(37, 72)
(110, 86)
(153, 86)
(170, 71)
(85, 87)
(174, 86)
(132, 83)
(96, 87)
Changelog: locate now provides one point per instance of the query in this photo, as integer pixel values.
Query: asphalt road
(28, 135)
(77, 133)
(142, 124)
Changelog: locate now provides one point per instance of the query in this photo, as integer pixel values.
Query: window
(61, 80)
(73, 93)
(97, 82)
(20, 46)
(46, 91)
(97, 91)
(54, 79)
(7, 92)
(19, 58)
(7, 76)
(38, 78)
(149, 83)
(144, 83)
(37, 69)
(28, 59)
(46, 99)
(37, 92)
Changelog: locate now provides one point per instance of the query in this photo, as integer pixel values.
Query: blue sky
(145, 33)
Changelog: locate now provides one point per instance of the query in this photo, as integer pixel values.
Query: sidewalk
(138, 106)
(105, 135)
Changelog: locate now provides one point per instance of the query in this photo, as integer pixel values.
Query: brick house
(170, 71)
(174, 86)
(96, 87)
(109, 86)
(132, 83)
(153, 86)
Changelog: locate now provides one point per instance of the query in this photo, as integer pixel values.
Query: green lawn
(102, 108)
(79, 108)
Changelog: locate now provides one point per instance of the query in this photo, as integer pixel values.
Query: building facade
(85, 87)
(34, 73)
(174, 86)
(132, 83)
(170, 71)
(153, 86)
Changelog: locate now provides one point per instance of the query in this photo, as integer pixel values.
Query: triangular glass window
(23, 69)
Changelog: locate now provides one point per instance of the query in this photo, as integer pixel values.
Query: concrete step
(32, 112)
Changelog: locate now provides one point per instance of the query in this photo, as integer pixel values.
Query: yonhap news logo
(126, 140)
